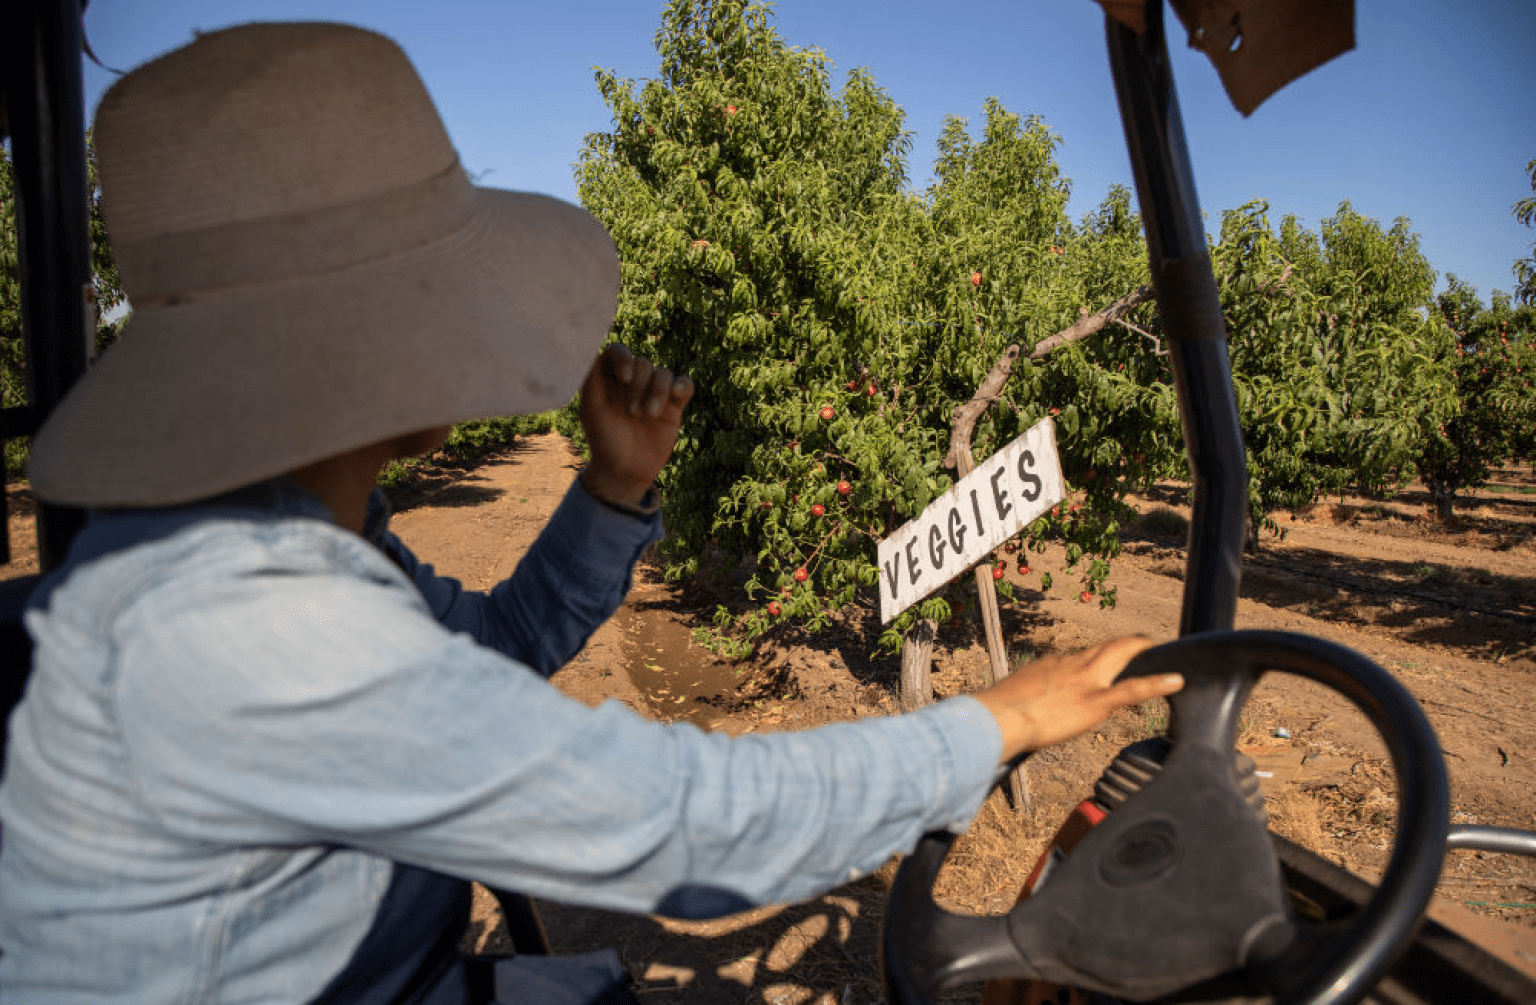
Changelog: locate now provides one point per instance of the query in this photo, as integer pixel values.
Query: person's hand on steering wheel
(1055, 698)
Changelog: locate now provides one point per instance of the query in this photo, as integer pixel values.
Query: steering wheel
(1178, 891)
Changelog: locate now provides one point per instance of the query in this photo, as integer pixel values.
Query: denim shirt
(242, 720)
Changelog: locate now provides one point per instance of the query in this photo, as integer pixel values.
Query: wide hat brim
(503, 316)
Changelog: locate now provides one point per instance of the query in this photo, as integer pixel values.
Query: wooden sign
(1005, 493)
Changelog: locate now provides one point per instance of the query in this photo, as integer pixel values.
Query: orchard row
(834, 319)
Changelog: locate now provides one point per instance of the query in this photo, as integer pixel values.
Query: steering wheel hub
(1145, 852)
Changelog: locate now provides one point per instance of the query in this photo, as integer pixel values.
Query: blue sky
(1430, 117)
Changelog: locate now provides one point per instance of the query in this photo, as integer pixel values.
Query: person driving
(264, 749)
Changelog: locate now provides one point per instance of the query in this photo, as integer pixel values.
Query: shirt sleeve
(570, 581)
(355, 719)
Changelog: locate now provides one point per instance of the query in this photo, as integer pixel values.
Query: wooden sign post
(1018, 484)
(990, 503)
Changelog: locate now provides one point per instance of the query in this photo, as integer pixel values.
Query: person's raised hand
(631, 412)
(1057, 697)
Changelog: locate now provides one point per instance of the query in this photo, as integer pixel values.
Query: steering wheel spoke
(1313, 949)
(940, 949)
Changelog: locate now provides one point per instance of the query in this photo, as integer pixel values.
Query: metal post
(1192, 320)
(44, 107)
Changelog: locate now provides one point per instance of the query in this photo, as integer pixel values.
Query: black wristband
(649, 505)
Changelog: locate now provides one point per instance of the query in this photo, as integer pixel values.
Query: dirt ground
(1449, 610)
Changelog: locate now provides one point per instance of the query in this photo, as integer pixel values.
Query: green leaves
(106, 293)
(1524, 210)
(1336, 362)
(772, 250)
(1494, 419)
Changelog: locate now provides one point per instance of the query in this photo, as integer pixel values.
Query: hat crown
(257, 122)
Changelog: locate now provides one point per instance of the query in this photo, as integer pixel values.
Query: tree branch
(991, 389)
(966, 415)
(1157, 343)
(1086, 326)
(1270, 289)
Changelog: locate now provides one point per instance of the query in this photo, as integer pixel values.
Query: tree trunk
(917, 647)
(1445, 501)
(917, 665)
(959, 458)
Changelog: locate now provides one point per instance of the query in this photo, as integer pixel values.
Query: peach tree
(833, 319)
(1338, 363)
(1495, 417)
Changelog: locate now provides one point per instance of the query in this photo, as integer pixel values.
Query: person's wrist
(1017, 732)
(621, 493)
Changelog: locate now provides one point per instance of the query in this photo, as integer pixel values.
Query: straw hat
(311, 270)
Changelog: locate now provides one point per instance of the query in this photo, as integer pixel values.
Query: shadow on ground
(445, 480)
(827, 947)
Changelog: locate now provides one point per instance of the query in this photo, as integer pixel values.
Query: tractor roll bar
(1192, 320)
(40, 47)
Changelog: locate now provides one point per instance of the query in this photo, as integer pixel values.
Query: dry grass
(1162, 523)
(986, 870)
(21, 522)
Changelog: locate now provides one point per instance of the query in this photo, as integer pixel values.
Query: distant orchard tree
(1495, 416)
(1338, 358)
(105, 289)
(1525, 268)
